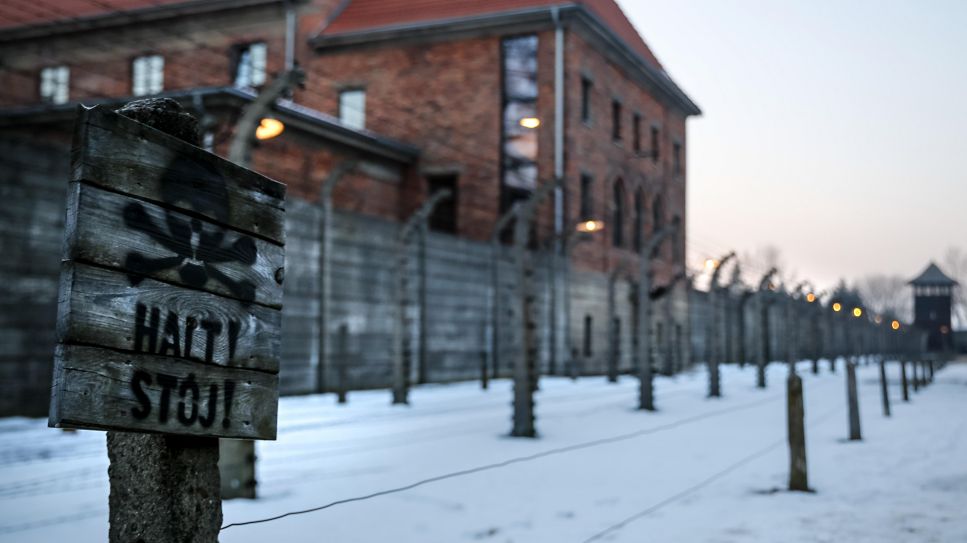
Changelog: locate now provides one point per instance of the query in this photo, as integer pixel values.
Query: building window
(655, 144)
(617, 238)
(639, 220)
(616, 120)
(147, 75)
(352, 108)
(587, 207)
(586, 87)
(444, 216)
(587, 335)
(250, 67)
(520, 120)
(636, 132)
(55, 84)
(677, 158)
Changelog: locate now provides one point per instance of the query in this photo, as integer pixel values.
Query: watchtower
(932, 302)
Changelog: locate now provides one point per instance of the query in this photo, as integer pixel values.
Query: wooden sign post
(169, 313)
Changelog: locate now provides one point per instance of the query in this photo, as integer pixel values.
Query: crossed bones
(196, 249)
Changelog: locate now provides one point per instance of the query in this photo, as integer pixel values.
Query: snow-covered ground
(699, 470)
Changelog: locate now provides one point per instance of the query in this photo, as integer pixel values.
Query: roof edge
(126, 16)
(494, 21)
(294, 115)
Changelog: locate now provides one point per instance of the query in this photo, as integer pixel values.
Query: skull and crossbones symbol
(198, 246)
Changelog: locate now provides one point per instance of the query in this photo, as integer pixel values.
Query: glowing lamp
(857, 312)
(530, 122)
(269, 128)
(711, 263)
(810, 297)
(895, 325)
(837, 307)
(590, 225)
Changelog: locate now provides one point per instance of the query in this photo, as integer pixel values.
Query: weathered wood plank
(101, 307)
(108, 389)
(119, 232)
(129, 157)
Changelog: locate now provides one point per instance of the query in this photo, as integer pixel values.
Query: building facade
(490, 100)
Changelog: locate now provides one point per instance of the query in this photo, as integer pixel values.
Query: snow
(699, 470)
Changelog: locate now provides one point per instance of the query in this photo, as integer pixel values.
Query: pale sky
(833, 130)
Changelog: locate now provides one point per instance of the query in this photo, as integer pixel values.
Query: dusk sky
(832, 130)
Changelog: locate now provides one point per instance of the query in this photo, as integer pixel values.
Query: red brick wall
(444, 97)
(591, 149)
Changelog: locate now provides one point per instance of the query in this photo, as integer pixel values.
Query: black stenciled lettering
(171, 340)
(208, 419)
(234, 327)
(144, 331)
(144, 403)
(191, 324)
(229, 392)
(167, 383)
(213, 328)
(189, 385)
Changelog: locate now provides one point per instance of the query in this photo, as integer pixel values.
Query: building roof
(368, 15)
(933, 277)
(77, 15)
(366, 22)
(291, 114)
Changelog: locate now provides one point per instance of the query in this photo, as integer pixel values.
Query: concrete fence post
(884, 388)
(798, 474)
(852, 397)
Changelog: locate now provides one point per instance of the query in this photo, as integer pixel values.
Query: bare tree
(885, 294)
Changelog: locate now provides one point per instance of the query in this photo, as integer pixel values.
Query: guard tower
(932, 303)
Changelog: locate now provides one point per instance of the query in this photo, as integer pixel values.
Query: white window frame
(55, 84)
(147, 75)
(352, 107)
(251, 67)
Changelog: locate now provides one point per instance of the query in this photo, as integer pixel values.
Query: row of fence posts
(174, 462)
(723, 307)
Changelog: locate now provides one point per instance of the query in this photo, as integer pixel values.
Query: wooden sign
(169, 315)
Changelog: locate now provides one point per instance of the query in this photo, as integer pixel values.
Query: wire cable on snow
(517, 460)
(701, 484)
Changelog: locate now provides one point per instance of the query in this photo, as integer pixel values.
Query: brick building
(489, 99)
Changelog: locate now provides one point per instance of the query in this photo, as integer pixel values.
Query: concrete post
(526, 365)
(496, 300)
(163, 488)
(646, 399)
(795, 411)
(884, 389)
(325, 267)
(402, 341)
(852, 397)
(764, 299)
(714, 352)
(903, 380)
(342, 355)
